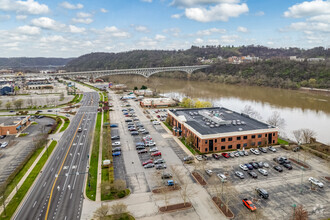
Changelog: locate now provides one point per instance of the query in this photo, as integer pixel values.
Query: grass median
(280, 141)
(66, 124)
(21, 192)
(92, 177)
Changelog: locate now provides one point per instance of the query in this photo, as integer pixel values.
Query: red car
(216, 156)
(156, 154)
(226, 155)
(249, 205)
(147, 162)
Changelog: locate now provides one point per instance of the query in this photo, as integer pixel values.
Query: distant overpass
(146, 72)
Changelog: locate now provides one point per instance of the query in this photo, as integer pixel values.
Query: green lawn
(65, 126)
(58, 126)
(89, 86)
(187, 146)
(280, 141)
(168, 126)
(91, 191)
(16, 200)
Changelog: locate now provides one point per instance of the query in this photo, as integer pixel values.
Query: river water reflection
(299, 109)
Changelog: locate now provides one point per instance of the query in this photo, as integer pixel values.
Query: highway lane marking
(52, 169)
(51, 193)
(34, 204)
(71, 196)
(44, 184)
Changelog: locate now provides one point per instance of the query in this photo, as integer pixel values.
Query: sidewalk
(99, 165)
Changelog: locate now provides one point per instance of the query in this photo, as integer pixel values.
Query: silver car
(263, 172)
(239, 174)
(232, 154)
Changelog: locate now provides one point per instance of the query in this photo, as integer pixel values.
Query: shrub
(121, 194)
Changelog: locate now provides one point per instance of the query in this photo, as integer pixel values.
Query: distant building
(12, 125)
(157, 102)
(220, 129)
(234, 60)
(144, 92)
(6, 71)
(6, 89)
(61, 71)
(315, 59)
(296, 59)
(119, 87)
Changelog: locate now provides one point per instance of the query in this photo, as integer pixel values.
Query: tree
(307, 134)
(185, 192)
(119, 208)
(119, 184)
(300, 213)
(144, 87)
(251, 112)
(190, 140)
(135, 88)
(297, 135)
(16, 89)
(101, 212)
(8, 105)
(61, 96)
(276, 120)
(18, 103)
(0, 103)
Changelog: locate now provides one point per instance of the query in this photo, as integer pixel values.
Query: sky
(56, 28)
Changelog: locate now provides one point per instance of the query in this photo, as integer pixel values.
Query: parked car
(262, 193)
(246, 153)
(222, 177)
(113, 126)
(260, 164)
(239, 174)
(49, 110)
(150, 143)
(145, 132)
(2, 136)
(216, 156)
(116, 137)
(139, 144)
(315, 182)
(288, 166)
(263, 150)
(199, 157)
(159, 161)
(4, 144)
(156, 122)
(243, 167)
(256, 152)
(271, 148)
(263, 172)
(226, 155)
(117, 143)
(156, 154)
(160, 166)
(154, 149)
(143, 151)
(266, 165)
(147, 162)
(188, 158)
(236, 154)
(248, 204)
(128, 120)
(255, 165)
(241, 153)
(134, 133)
(232, 154)
(149, 165)
(140, 147)
(209, 172)
(204, 157)
(116, 149)
(166, 175)
(117, 153)
(278, 168)
(170, 183)
(249, 166)
(253, 174)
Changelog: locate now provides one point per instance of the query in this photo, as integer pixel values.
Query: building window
(253, 143)
(205, 141)
(230, 139)
(205, 149)
(215, 140)
(215, 148)
(245, 145)
(253, 136)
(230, 146)
(273, 141)
(223, 147)
(238, 146)
(244, 137)
(238, 138)
(265, 135)
(259, 135)
(223, 139)
(259, 143)
(273, 134)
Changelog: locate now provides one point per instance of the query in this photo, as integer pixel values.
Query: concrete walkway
(99, 168)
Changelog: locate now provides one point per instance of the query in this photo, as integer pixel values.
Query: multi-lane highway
(58, 192)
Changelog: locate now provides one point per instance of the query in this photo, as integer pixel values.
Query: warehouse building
(157, 102)
(12, 125)
(220, 129)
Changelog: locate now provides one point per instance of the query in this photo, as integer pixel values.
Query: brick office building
(12, 125)
(220, 129)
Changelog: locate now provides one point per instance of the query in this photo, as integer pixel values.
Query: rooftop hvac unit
(217, 125)
(240, 129)
(212, 126)
(243, 123)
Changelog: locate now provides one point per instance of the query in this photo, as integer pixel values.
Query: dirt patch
(327, 178)
(223, 208)
(166, 189)
(175, 207)
(299, 163)
(199, 178)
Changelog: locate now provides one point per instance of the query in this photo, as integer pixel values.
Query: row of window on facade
(239, 138)
(238, 146)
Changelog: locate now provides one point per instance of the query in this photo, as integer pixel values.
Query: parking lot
(18, 148)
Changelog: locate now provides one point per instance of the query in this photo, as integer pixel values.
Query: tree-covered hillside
(20, 62)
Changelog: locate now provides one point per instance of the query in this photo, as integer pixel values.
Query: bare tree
(300, 213)
(185, 192)
(8, 105)
(101, 212)
(119, 184)
(251, 112)
(18, 103)
(297, 135)
(276, 120)
(307, 134)
(30, 102)
(190, 140)
(118, 208)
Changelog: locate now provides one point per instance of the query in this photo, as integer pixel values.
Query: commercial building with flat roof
(157, 102)
(12, 125)
(219, 129)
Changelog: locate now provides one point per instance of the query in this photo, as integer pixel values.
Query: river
(299, 109)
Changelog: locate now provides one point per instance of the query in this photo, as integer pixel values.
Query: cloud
(82, 20)
(228, 38)
(25, 7)
(220, 12)
(47, 23)
(177, 16)
(242, 29)
(320, 18)
(149, 1)
(313, 8)
(4, 17)
(68, 5)
(53, 38)
(83, 15)
(21, 17)
(307, 26)
(211, 31)
(141, 28)
(29, 30)
(191, 3)
(75, 29)
(198, 41)
(116, 32)
(213, 42)
(160, 37)
(260, 13)
(173, 31)
(147, 42)
(103, 10)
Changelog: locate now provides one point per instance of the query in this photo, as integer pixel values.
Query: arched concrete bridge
(146, 72)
